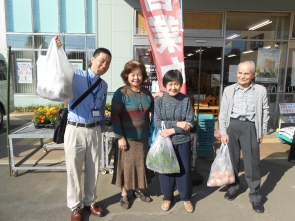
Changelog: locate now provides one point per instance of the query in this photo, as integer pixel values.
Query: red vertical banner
(165, 33)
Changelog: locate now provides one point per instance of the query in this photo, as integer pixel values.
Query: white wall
(3, 43)
(115, 32)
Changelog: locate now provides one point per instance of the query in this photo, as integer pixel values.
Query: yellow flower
(46, 114)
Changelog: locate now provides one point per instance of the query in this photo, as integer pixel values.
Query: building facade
(30, 26)
(217, 36)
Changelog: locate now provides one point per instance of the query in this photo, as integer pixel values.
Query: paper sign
(24, 72)
(287, 108)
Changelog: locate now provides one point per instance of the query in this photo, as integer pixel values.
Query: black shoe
(230, 196)
(124, 202)
(258, 207)
(141, 196)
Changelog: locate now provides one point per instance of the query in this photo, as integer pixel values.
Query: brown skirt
(129, 166)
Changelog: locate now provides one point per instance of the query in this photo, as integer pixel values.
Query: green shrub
(31, 108)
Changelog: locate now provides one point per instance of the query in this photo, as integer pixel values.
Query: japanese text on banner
(162, 19)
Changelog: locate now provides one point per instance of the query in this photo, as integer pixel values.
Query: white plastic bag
(54, 74)
(222, 172)
(161, 157)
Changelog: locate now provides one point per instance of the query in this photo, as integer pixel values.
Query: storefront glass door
(203, 74)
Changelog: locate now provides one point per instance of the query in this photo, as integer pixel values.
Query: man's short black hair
(98, 51)
(102, 50)
(172, 75)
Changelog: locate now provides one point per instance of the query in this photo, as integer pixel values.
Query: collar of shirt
(237, 87)
(92, 75)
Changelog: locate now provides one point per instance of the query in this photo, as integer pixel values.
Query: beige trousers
(82, 148)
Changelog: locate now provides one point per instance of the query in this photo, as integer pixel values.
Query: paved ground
(41, 195)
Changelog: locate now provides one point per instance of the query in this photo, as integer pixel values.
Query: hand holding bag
(161, 157)
(222, 172)
(54, 74)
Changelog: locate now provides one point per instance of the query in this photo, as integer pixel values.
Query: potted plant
(107, 114)
(45, 117)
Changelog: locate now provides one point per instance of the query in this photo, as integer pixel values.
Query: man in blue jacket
(243, 122)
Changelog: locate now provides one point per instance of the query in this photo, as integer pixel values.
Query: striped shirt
(127, 119)
(171, 109)
(243, 104)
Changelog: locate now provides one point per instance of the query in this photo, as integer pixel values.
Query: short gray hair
(249, 62)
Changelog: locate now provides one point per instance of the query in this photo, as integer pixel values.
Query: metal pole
(8, 108)
(199, 85)
(199, 81)
(181, 14)
(63, 41)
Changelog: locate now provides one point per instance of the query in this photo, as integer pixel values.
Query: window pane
(45, 16)
(274, 100)
(77, 58)
(290, 83)
(27, 57)
(72, 16)
(144, 54)
(195, 24)
(270, 63)
(203, 24)
(140, 24)
(91, 42)
(43, 40)
(20, 41)
(89, 56)
(91, 18)
(18, 16)
(75, 42)
(270, 68)
(239, 23)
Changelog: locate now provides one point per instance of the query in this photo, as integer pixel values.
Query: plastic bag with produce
(161, 157)
(222, 172)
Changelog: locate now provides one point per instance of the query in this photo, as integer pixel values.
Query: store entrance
(203, 67)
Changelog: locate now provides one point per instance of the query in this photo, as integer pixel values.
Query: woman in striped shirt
(131, 106)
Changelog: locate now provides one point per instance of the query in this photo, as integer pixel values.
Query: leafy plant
(47, 114)
(31, 108)
(107, 112)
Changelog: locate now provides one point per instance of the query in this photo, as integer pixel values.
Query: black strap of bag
(85, 94)
(61, 122)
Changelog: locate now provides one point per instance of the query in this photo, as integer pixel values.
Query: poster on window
(24, 71)
(287, 108)
(293, 69)
(215, 80)
(268, 64)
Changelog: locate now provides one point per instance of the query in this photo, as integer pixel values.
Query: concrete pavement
(41, 195)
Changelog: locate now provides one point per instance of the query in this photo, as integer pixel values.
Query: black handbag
(62, 116)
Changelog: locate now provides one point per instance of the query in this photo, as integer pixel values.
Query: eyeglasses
(135, 75)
